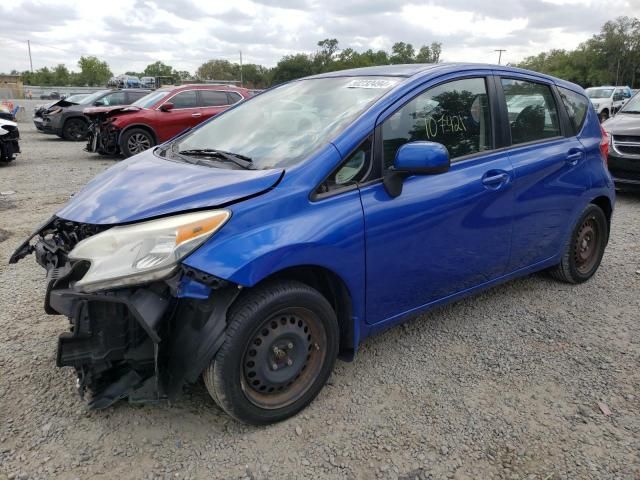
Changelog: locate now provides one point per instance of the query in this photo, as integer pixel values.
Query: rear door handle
(574, 157)
(495, 179)
(196, 114)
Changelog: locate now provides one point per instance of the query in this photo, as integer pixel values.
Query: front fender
(276, 231)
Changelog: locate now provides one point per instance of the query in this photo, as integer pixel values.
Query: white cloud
(131, 34)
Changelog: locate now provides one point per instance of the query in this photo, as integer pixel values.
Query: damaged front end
(143, 340)
(9, 140)
(103, 134)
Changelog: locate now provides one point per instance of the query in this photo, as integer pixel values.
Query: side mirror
(98, 103)
(416, 158)
(166, 107)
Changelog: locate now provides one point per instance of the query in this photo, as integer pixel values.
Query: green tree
(609, 57)
(183, 75)
(402, 53)
(61, 75)
(429, 54)
(255, 76)
(159, 69)
(93, 71)
(291, 67)
(218, 70)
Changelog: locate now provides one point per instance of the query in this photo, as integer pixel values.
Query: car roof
(204, 86)
(427, 69)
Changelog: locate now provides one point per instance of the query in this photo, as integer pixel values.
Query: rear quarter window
(576, 106)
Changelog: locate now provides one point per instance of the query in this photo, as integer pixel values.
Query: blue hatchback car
(259, 247)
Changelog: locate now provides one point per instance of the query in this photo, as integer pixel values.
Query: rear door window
(532, 110)
(576, 106)
(133, 96)
(213, 98)
(455, 114)
(234, 97)
(116, 98)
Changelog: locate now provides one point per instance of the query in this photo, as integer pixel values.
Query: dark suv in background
(66, 119)
(624, 145)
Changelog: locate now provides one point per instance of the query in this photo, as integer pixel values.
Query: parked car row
(66, 119)
(131, 120)
(608, 100)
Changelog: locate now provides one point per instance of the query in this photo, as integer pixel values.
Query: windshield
(150, 100)
(76, 98)
(281, 127)
(599, 92)
(89, 99)
(632, 105)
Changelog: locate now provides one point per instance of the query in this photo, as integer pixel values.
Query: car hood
(107, 111)
(146, 186)
(623, 124)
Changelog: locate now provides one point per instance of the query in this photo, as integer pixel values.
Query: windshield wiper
(629, 111)
(235, 158)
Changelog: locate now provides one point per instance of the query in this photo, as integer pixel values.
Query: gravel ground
(502, 385)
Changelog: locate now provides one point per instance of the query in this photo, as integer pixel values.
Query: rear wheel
(75, 130)
(583, 253)
(135, 141)
(280, 348)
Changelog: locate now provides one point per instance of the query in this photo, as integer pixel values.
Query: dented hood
(97, 111)
(146, 186)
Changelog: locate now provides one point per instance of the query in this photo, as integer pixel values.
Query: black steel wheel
(75, 130)
(135, 141)
(280, 348)
(584, 250)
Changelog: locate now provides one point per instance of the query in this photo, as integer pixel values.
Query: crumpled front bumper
(143, 343)
(102, 137)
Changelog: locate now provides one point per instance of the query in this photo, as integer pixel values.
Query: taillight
(604, 145)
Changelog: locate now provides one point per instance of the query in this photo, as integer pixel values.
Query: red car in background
(157, 117)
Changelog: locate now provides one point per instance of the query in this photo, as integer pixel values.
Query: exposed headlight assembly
(143, 252)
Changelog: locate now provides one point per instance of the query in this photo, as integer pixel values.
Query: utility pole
(241, 68)
(499, 50)
(30, 61)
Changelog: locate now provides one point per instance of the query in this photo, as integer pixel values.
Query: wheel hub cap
(138, 143)
(587, 241)
(278, 354)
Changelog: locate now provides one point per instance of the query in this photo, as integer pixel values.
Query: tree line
(328, 57)
(610, 57)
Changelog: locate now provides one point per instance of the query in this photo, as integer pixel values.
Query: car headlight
(143, 252)
(596, 105)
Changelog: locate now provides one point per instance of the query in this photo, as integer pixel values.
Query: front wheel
(280, 348)
(75, 130)
(584, 250)
(135, 141)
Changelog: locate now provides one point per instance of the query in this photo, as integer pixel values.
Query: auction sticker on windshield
(373, 83)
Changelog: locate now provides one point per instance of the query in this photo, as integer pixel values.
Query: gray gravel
(503, 385)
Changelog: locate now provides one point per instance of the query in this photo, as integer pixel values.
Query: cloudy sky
(131, 34)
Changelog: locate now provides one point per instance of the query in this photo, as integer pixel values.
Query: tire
(135, 141)
(604, 115)
(75, 130)
(584, 250)
(281, 345)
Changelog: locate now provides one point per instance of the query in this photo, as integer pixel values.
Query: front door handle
(574, 157)
(495, 179)
(196, 114)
